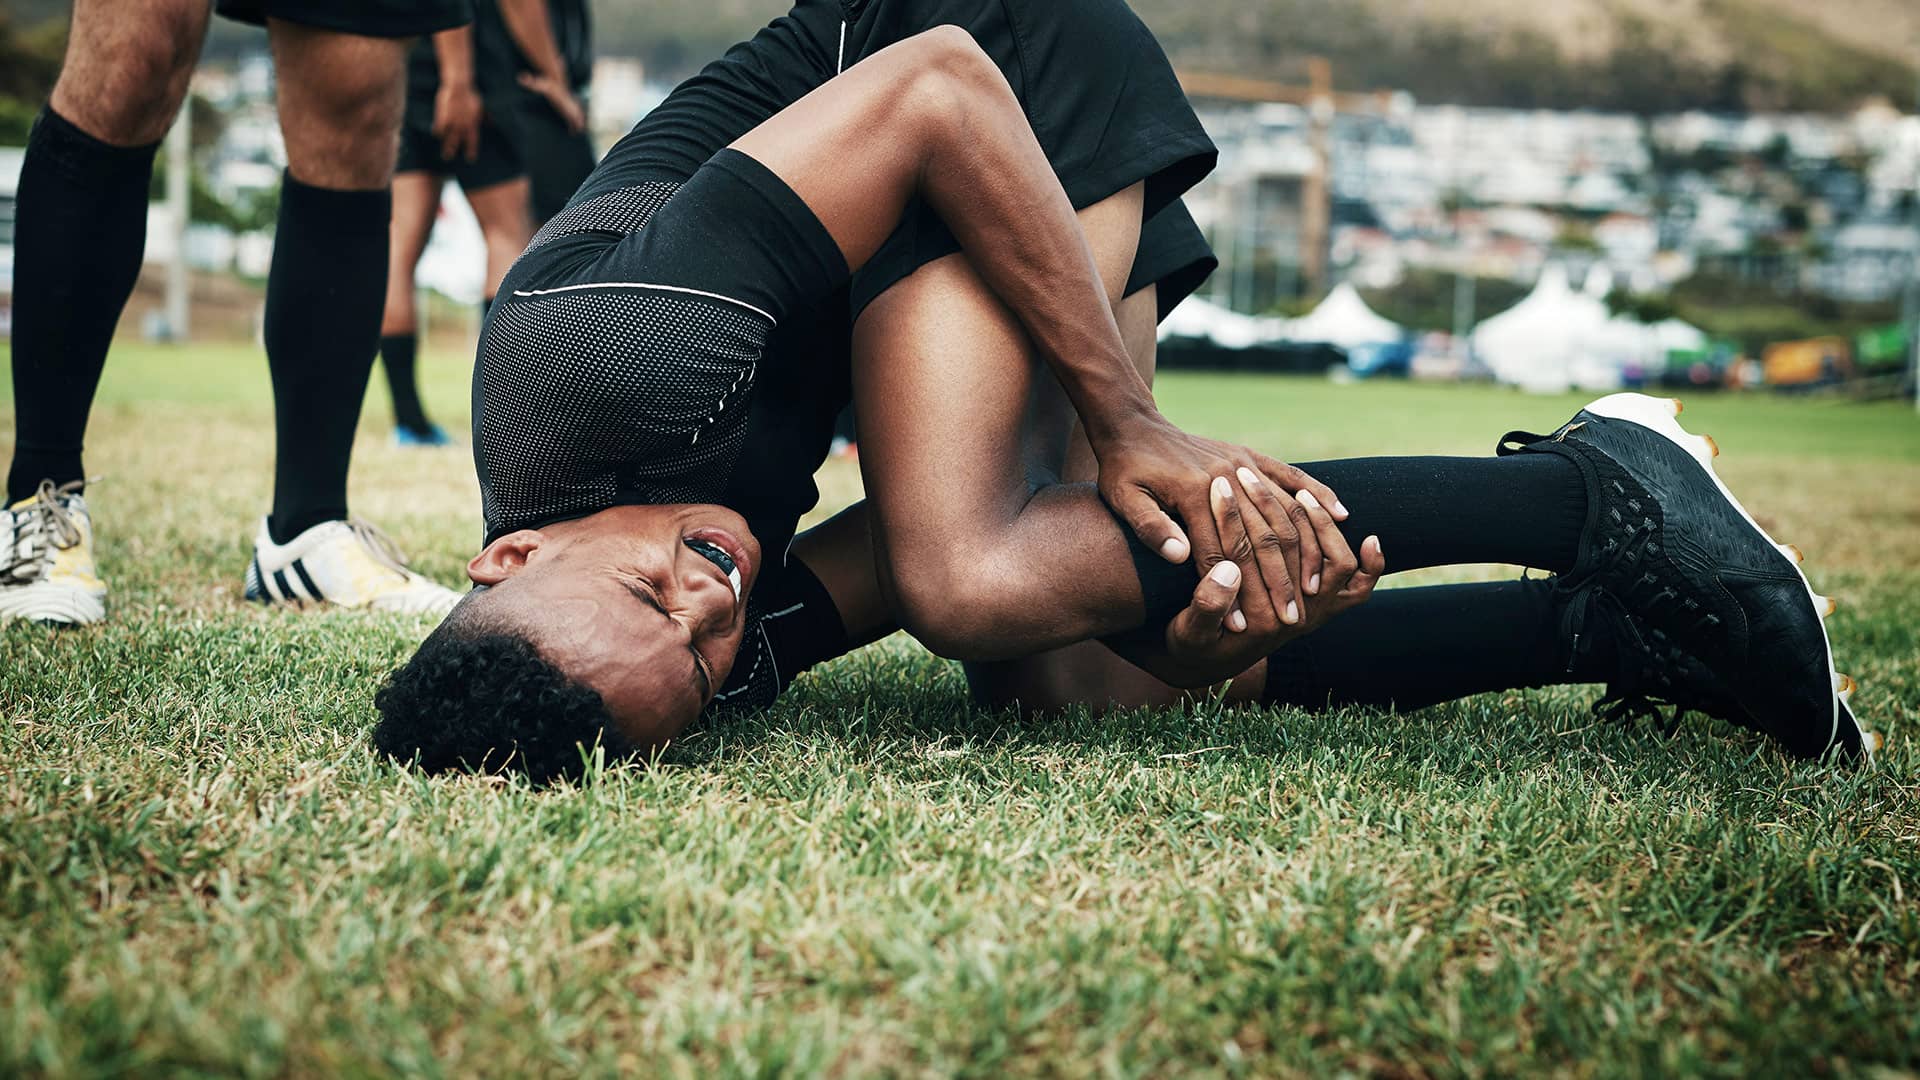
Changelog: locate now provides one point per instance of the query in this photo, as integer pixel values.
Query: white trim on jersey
(646, 285)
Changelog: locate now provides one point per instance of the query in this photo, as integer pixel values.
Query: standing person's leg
(501, 210)
(80, 230)
(340, 105)
(416, 200)
(558, 160)
(506, 226)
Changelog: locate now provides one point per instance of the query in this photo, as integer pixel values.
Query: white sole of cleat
(60, 605)
(1660, 416)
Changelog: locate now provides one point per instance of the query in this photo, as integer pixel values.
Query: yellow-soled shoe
(347, 563)
(47, 572)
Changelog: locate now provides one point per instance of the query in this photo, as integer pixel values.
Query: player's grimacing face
(644, 604)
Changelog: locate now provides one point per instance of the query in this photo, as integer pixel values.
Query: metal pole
(179, 210)
(1464, 284)
(1317, 206)
(1910, 307)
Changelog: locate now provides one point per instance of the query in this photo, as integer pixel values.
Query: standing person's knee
(341, 99)
(124, 77)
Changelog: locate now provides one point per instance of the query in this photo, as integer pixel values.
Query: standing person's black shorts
(496, 161)
(367, 18)
(556, 160)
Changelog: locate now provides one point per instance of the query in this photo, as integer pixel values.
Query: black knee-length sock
(80, 228)
(1410, 648)
(1527, 510)
(397, 356)
(325, 292)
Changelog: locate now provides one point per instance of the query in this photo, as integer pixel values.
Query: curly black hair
(479, 697)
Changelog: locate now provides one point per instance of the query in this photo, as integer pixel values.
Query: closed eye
(701, 676)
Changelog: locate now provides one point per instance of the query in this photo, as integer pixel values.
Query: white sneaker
(46, 559)
(349, 563)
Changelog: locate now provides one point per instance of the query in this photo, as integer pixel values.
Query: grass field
(203, 870)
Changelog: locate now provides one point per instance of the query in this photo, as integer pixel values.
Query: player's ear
(505, 557)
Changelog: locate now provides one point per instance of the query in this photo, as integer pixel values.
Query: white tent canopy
(1559, 337)
(1344, 319)
(1544, 340)
(1208, 321)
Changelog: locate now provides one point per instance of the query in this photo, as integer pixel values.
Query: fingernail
(1222, 489)
(1340, 508)
(1225, 573)
(1378, 546)
(1306, 499)
(1248, 478)
(1293, 612)
(1174, 549)
(1313, 585)
(1237, 622)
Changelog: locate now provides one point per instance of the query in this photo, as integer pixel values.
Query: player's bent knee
(949, 608)
(948, 71)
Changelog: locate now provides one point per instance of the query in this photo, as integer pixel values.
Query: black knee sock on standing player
(325, 292)
(397, 356)
(1410, 648)
(80, 228)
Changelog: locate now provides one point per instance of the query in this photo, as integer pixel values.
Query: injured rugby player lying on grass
(658, 383)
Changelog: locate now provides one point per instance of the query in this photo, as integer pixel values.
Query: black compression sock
(1410, 648)
(397, 356)
(80, 227)
(324, 297)
(1447, 511)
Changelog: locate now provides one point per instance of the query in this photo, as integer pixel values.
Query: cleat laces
(379, 545)
(40, 529)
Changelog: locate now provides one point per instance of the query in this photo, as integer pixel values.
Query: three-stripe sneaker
(1668, 544)
(348, 563)
(46, 559)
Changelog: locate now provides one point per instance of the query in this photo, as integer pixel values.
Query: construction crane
(1322, 102)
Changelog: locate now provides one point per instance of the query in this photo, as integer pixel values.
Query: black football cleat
(1668, 545)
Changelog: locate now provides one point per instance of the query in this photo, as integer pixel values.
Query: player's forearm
(531, 29)
(453, 51)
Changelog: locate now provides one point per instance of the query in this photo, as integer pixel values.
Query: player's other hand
(457, 112)
(560, 96)
(1216, 639)
(1152, 472)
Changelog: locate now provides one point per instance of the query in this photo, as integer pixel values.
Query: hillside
(1638, 55)
(1642, 55)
